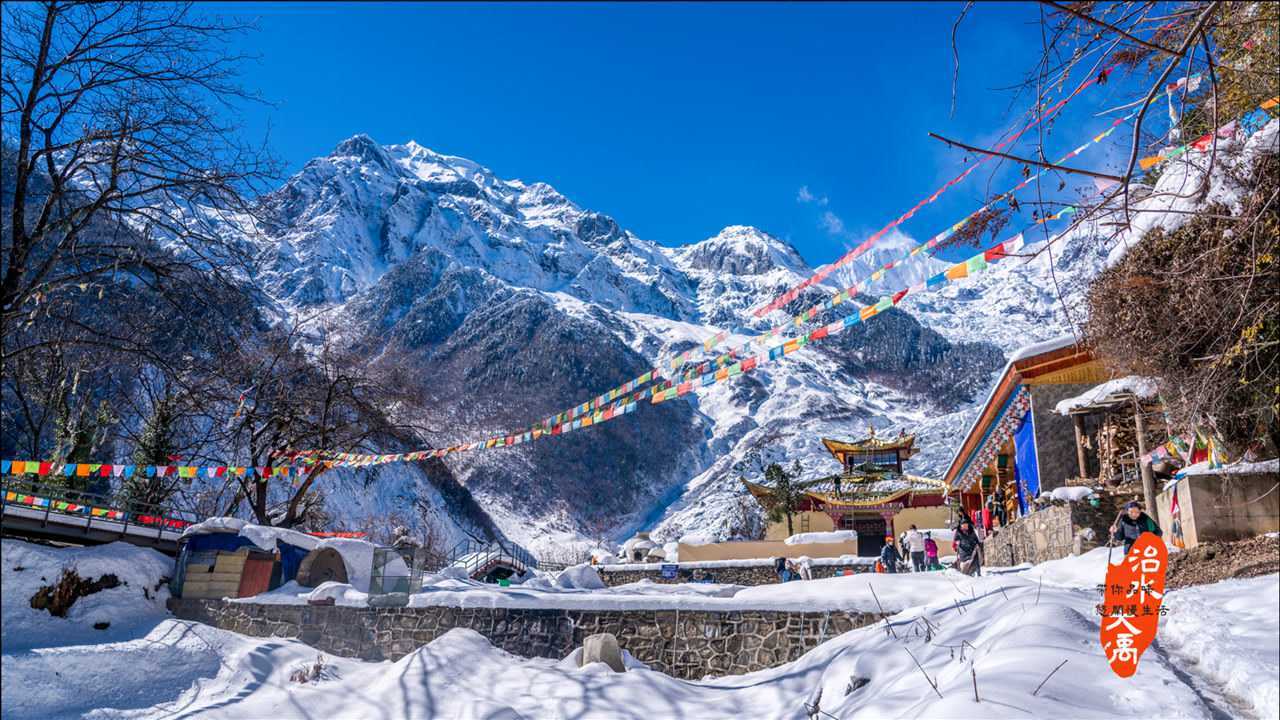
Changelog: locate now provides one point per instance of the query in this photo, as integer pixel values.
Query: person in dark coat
(1131, 524)
(968, 549)
(780, 567)
(889, 556)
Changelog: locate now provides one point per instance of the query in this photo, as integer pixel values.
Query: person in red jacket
(931, 553)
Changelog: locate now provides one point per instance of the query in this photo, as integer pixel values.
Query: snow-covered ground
(1010, 629)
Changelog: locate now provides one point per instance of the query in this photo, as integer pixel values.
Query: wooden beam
(1079, 424)
(1148, 481)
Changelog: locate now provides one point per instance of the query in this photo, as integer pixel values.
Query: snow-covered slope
(516, 303)
(1009, 630)
(1020, 301)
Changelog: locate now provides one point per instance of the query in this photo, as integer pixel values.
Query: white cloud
(832, 223)
(805, 196)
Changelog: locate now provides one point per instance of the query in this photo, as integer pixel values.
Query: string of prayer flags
(1250, 123)
(653, 385)
(623, 406)
(853, 254)
(187, 472)
(679, 360)
(975, 264)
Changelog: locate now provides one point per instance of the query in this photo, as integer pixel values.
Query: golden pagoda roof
(901, 442)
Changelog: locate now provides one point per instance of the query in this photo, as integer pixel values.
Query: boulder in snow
(581, 577)
(602, 648)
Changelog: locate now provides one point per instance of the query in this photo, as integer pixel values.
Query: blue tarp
(1026, 468)
(225, 541)
(290, 560)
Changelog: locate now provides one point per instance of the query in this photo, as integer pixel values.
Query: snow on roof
(1263, 467)
(640, 541)
(263, 536)
(1074, 493)
(1042, 347)
(1142, 387)
(834, 536)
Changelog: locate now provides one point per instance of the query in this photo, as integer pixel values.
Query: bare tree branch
(1027, 161)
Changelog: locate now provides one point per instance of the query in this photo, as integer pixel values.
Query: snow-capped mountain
(515, 304)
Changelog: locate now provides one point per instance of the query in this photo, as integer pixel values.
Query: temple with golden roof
(871, 495)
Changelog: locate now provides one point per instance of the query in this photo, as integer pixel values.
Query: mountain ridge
(516, 303)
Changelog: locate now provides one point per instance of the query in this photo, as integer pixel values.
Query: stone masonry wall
(1055, 532)
(683, 644)
(613, 575)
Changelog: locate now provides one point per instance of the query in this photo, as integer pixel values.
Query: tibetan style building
(1018, 444)
(870, 495)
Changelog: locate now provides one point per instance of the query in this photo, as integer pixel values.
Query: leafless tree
(1190, 306)
(280, 398)
(117, 144)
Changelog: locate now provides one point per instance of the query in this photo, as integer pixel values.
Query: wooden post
(1148, 481)
(1079, 422)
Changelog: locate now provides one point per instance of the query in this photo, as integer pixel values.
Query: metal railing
(474, 556)
(58, 501)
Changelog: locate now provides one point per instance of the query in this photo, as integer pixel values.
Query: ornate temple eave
(862, 492)
(904, 442)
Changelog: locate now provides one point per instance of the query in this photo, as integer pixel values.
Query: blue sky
(675, 119)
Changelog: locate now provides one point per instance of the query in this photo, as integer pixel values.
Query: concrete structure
(638, 548)
(683, 644)
(1221, 506)
(51, 513)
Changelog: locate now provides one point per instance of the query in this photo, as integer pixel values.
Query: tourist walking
(931, 553)
(968, 549)
(1132, 523)
(780, 567)
(915, 546)
(889, 557)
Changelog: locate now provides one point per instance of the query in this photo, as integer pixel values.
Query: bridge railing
(122, 513)
(475, 555)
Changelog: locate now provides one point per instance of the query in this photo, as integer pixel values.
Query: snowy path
(1010, 629)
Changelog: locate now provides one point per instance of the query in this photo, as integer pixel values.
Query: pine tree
(155, 446)
(786, 496)
(77, 439)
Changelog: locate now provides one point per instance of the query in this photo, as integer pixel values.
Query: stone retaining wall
(755, 574)
(684, 644)
(1065, 528)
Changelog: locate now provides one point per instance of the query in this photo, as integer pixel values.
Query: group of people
(921, 551)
